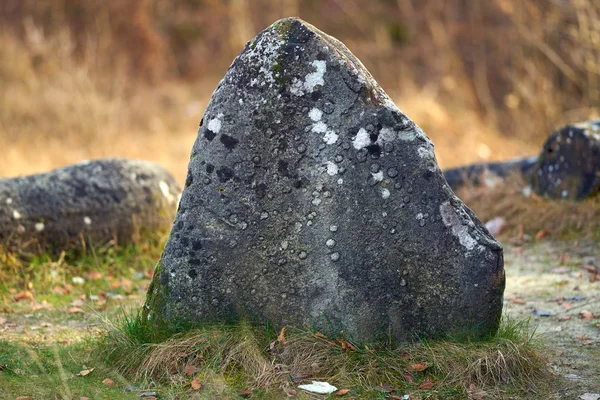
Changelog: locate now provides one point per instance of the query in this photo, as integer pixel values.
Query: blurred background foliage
(486, 79)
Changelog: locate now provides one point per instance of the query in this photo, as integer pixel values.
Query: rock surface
(95, 201)
(568, 166)
(312, 201)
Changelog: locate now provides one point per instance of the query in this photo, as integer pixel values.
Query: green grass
(233, 358)
(230, 359)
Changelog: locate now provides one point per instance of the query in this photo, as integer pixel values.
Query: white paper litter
(319, 387)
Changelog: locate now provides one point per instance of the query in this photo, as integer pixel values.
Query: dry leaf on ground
(108, 382)
(190, 369)
(341, 392)
(196, 384)
(587, 315)
(24, 295)
(418, 367)
(85, 372)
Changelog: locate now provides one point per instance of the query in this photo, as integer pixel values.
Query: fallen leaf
(2, 320)
(108, 382)
(418, 367)
(564, 318)
(24, 295)
(289, 392)
(84, 398)
(341, 392)
(518, 301)
(409, 378)
(61, 290)
(426, 384)
(587, 315)
(281, 337)
(24, 398)
(320, 335)
(190, 369)
(115, 285)
(85, 372)
(245, 393)
(196, 384)
(75, 310)
(94, 276)
(541, 234)
(346, 345)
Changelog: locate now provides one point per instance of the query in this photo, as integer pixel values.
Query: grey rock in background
(312, 201)
(93, 201)
(568, 166)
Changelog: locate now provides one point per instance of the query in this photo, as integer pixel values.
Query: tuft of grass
(232, 358)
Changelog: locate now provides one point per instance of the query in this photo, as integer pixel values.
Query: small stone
(330, 243)
(335, 256)
(333, 228)
(302, 255)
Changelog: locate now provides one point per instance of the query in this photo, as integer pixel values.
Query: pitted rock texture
(312, 201)
(569, 164)
(92, 202)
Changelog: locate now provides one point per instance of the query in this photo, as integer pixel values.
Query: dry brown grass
(246, 357)
(533, 214)
(486, 80)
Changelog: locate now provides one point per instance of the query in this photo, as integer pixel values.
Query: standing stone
(569, 164)
(312, 201)
(91, 202)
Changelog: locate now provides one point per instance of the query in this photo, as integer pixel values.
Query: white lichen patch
(361, 140)
(315, 78)
(385, 193)
(319, 127)
(386, 134)
(215, 125)
(39, 227)
(378, 176)
(425, 152)
(451, 220)
(330, 137)
(315, 114)
(16, 214)
(9, 201)
(332, 168)
(87, 220)
(407, 136)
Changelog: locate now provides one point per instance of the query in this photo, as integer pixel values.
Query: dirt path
(549, 283)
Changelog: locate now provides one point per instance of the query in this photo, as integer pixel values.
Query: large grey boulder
(92, 202)
(568, 166)
(312, 201)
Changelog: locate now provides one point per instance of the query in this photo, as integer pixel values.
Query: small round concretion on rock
(307, 99)
(98, 201)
